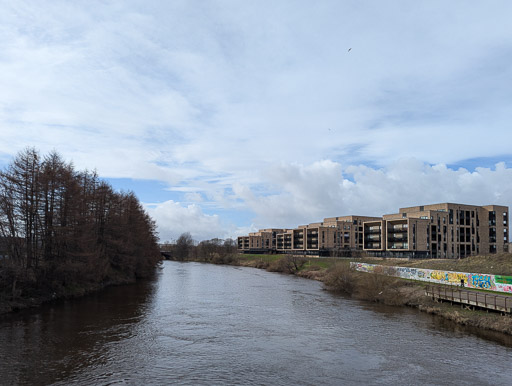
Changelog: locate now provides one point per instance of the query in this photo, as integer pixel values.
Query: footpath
(470, 299)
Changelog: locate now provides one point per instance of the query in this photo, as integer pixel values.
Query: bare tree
(62, 226)
(183, 246)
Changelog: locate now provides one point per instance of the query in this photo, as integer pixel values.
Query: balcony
(397, 236)
(398, 246)
(398, 229)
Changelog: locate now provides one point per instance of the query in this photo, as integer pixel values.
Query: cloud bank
(255, 114)
(297, 194)
(308, 193)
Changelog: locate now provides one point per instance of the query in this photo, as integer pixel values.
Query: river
(200, 324)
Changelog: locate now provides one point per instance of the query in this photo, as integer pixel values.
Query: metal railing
(457, 294)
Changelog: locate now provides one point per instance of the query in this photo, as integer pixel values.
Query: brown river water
(200, 324)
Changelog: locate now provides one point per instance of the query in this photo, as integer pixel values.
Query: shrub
(287, 264)
(340, 278)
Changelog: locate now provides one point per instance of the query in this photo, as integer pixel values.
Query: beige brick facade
(446, 230)
(263, 241)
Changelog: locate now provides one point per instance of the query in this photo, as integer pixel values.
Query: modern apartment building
(445, 230)
(264, 240)
(333, 235)
(440, 231)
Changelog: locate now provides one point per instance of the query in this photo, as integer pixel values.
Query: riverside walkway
(470, 298)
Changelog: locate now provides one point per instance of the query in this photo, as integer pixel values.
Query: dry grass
(340, 278)
(375, 288)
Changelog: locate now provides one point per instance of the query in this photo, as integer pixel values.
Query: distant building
(263, 241)
(445, 230)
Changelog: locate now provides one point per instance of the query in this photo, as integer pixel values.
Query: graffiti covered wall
(497, 283)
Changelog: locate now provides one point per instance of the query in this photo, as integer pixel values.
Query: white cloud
(193, 196)
(309, 193)
(230, 87)
(263, 99)
(173, 219)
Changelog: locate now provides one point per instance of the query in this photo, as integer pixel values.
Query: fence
(472, 298)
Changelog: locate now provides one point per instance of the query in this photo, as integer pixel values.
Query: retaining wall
(471, 280)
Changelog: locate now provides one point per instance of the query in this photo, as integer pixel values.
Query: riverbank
(399, 292)
(37, 295)
(338, 277)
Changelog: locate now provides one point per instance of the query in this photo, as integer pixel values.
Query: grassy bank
(398, 292)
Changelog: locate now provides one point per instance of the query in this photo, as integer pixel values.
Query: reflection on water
(40, 346)
(204, 324)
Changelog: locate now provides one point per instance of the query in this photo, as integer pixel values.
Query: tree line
(60, 227)
(216, 250)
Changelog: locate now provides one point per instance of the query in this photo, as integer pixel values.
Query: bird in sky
(349, 49)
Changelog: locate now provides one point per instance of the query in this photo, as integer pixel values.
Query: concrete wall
(471, 280)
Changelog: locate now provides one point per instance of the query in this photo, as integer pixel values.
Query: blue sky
(229, 116)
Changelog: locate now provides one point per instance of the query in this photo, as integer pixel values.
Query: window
(492, 218)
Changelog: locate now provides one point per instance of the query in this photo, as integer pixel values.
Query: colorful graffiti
(482, 281)
(507, 288)
(497, 283)
(503, 279)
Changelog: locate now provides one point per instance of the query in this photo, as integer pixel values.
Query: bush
(287, 264)
(378, 288)
(223, 259)
(340, 278)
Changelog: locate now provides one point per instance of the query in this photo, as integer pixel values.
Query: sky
(227, 116)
